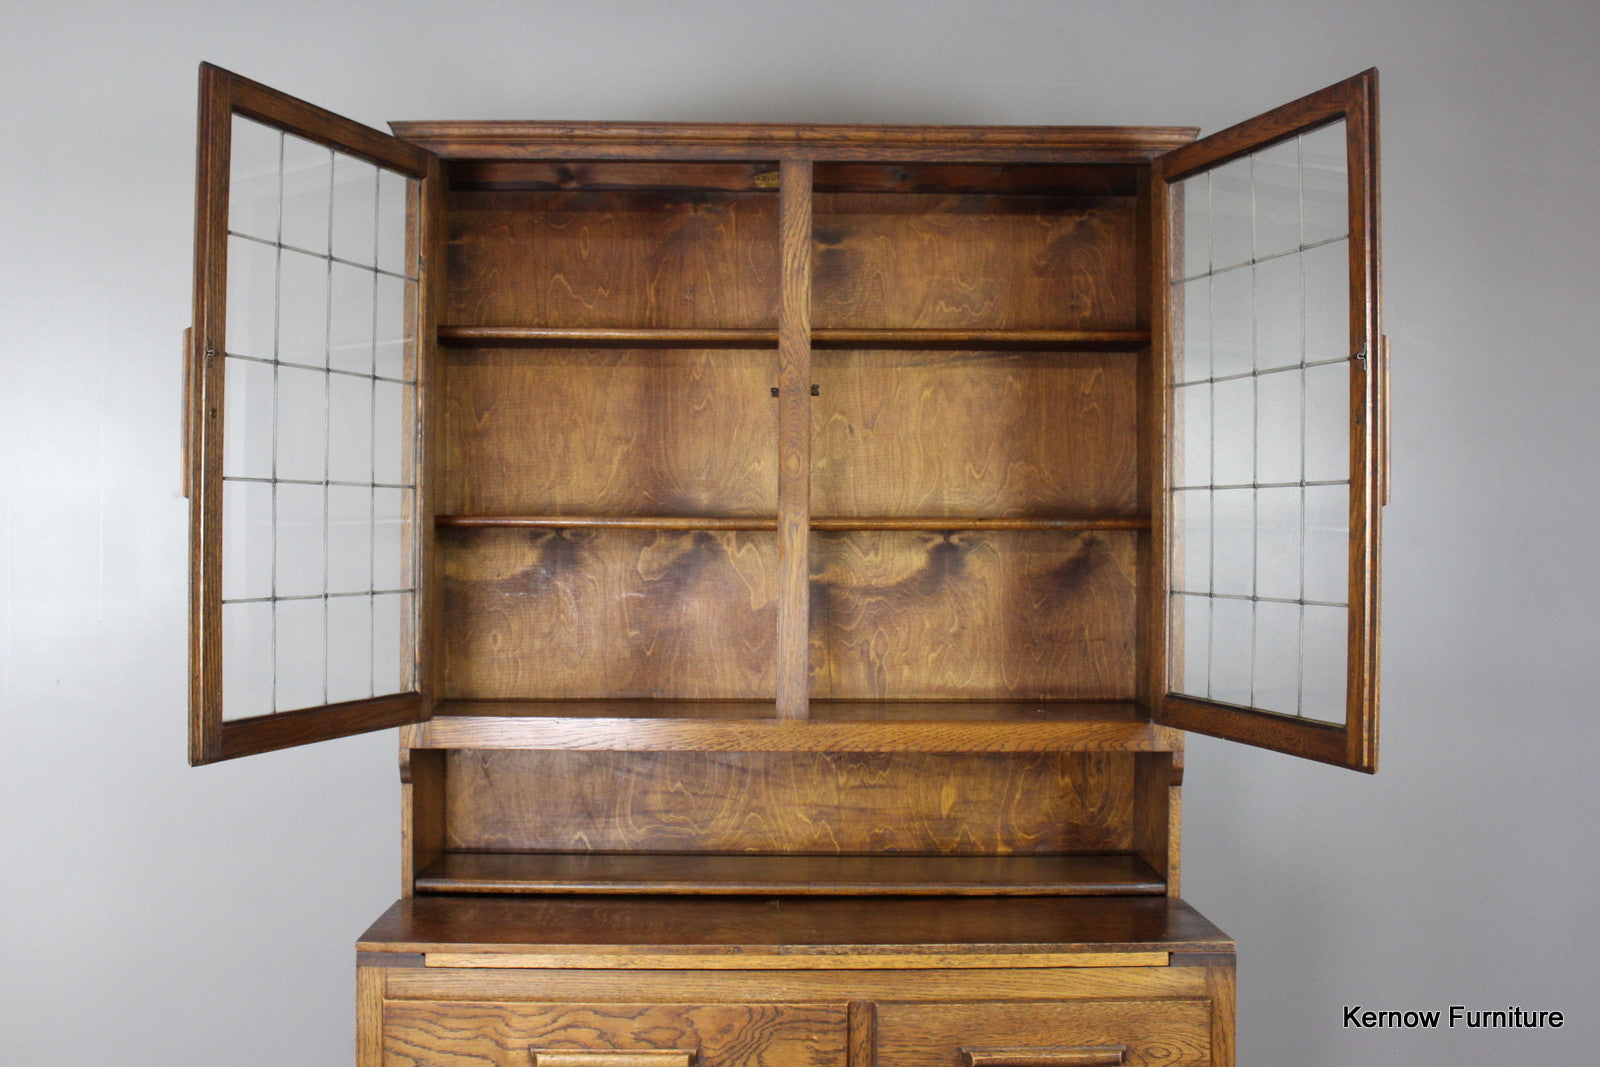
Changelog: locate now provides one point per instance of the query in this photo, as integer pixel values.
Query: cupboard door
(1275, 407)
(303, 470)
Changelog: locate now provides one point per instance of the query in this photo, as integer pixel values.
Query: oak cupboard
(791, 554)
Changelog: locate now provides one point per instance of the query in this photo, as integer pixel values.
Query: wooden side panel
(649, 258)
(975, 434)
(560, 614)
(1168, 1033)
(421, 811)
(689, 432)
(1157, 796)
(718, 1035)
(820, 803)
(1012, 262)
(369, 1016)
(1031, 615)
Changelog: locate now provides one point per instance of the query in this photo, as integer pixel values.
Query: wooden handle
(1383, 425)
(607, 1058)
(189, 372)
(1056, 1056)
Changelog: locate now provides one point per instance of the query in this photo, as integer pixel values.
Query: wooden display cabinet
(791, 554)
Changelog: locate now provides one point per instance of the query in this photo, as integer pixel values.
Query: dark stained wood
(980, 434)
(1024, 340)
(612, 433)
(208, 332)
(693, 259)
(794, 437)
(500, 872)
(1354, 743)
(592, 174)
(426, 205)
(1029, 615)
(607, 613)
(513, 1033)
(1369, 439)
(1054, 180)
(1157, 621)
(421, 808)
(1306, 738)
(604, 522)
(1267, 129)
(1069, 1034)
(267, 733)
(827, 803)
(886, 260)
(835, 142)
(834, 726)
(939, 524)
(1042, 340)
(222, 95)
(1157, 813)
(802, 926)
(703, 522)
(504, 336)
(268, 105)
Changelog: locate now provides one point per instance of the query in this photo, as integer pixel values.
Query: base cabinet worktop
(792, 555)
(577, 982)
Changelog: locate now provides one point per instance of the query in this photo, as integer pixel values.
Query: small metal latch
(816, 390)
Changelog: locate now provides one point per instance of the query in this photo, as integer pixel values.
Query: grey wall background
(154, 914)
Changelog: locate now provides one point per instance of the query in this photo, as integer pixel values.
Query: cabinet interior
(975, 511)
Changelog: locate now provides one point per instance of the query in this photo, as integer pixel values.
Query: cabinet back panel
(608, 258)
(893, 260)
(807, 802)
(975, 434)
(609, 432)
(1017, 614)
(558, 614)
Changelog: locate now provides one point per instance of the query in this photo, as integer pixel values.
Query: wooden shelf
(833, 726)
(741, 930)
(934, 523)
(698, 874)
(463, 336)
(983, 340)
(603, 337)
(823, 524)
(604, 522)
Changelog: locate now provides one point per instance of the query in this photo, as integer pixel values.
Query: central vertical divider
(794, 439)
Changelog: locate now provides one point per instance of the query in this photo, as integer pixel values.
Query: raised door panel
(1276, 417)
(518, 1034)
(305, 379)
(1074, 1033)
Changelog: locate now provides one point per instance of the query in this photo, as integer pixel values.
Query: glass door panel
(306, 509)
(1271, 510)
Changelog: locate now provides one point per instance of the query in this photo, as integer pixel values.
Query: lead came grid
(1261, 399)
(318, 484)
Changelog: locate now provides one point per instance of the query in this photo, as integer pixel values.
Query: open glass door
(1275, 405)
(303, 468)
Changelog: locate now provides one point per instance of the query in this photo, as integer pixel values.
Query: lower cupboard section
(444, 1016)
(613, 1035)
